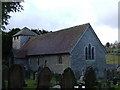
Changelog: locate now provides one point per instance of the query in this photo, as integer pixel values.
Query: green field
(113, 59)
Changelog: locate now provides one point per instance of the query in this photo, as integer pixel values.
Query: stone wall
(22, 62)
(50, 61)
(19, 41)
(79, 63)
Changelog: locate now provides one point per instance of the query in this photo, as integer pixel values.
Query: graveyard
(59, 56)
(48, 80)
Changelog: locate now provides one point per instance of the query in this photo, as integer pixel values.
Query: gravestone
(104, 86)
(16, 78)
(81, 80)
(68, 79)
(37, 74)
(44, 78)
(90, 77)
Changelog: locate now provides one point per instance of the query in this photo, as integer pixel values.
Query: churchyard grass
(53, 81)
(31, 83)
(117, 87)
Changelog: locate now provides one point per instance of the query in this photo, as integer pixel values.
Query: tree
(7, 42)
(107, 44)
(8, 7)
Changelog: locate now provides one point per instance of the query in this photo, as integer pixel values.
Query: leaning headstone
(81, 80)
(16, 78)
(37, 74)
(68, 79)
(44, 78)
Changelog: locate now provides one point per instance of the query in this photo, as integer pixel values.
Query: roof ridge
(25, 31)
(72, 27)
(61, 30)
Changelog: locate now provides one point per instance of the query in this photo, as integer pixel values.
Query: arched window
(60, 60)
(14, 38)
(92, 52)
(86, 53)
(89, 51)
(38, 60)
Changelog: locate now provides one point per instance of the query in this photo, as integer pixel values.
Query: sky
(53, 15)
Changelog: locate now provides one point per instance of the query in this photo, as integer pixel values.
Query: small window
(86, 53)
(45, 63)
(38, 61)
(14, 38)
(89, 51)
(92, 52)
(60, 60)
(17, 37)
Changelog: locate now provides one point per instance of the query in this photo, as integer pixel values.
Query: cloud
(106, 12)
(58, 14)
(106, 34)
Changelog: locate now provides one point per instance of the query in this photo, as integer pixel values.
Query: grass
(31, 83)
(113, 59)
(117, 87)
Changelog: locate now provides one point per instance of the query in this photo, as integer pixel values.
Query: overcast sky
(54, 15)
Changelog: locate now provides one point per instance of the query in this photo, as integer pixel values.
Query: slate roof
(58, 42)
(19, 53)
(25, 32)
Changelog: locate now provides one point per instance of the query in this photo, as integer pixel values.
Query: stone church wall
(79, 63)
(51, 61)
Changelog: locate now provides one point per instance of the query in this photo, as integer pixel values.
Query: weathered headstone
(68, 79)
(37, 74)
(81, 80)
(44, 78)
(90, 77)
(104, 86)
(16, 78)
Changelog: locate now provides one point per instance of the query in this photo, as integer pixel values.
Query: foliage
(40, 31)
(7, 42)
(90, 77)
(31, 83)
(8, 7)
(107, 44)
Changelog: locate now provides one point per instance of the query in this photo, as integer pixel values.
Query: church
(76, 47)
